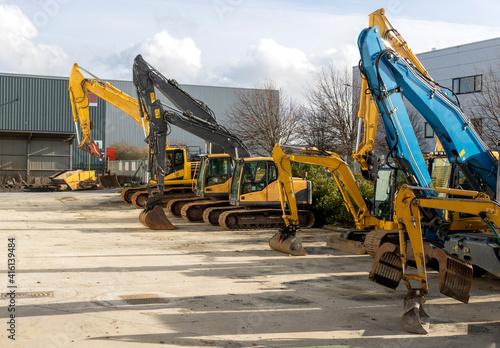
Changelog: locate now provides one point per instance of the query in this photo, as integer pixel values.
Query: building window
(468, 84)
(429, 132)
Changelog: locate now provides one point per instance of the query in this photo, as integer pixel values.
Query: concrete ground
(88, 274)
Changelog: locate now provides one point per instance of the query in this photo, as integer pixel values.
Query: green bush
(328, 205)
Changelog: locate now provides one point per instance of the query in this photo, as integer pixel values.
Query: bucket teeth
(387, 269)
(287, 244)
(455, 275)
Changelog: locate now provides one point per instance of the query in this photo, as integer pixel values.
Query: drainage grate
(33, 294)
(142, 299)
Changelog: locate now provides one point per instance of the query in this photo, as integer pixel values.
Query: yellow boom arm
(368, 112)
(79, 87)
(408, 214)
(353, 199)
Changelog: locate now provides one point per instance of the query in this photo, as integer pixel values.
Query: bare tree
(264, 116)
(484, 107)
(331, 117)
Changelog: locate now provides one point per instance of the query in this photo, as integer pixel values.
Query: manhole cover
(131, 298)
(31, 294)
(141, 299)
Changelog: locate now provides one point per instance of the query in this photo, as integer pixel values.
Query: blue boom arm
(454, 129)
(399, 131)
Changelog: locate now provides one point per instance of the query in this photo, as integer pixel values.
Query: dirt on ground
(86, 273)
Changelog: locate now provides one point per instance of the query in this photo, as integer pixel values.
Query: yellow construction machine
(390, 76)
(251, 186)
(243, 197)
(180, 176)
(366, 219)
(454, 273)
(254, 198)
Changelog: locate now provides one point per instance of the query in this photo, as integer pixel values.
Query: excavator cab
(214, 176)
(388, 182)
(254, 182)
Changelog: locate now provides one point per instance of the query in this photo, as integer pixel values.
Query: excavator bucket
(387, 269)
(156, 219)
(108, 181)
(291, 245)
(455, 275)
(415, 319)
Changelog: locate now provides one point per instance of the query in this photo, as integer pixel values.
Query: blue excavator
(389, 77)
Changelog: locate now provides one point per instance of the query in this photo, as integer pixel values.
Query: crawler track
(245, 219)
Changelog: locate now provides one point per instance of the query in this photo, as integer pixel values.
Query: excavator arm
(153, 216)
(353, 199)
(460, 141)
(190, 115)
(368, 113)
(198, 120)
(400, 136)
(79, 87)
(455, 275)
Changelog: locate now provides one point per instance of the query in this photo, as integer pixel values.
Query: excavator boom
(286, 240)
(190, 115)
(79, 87)
(368, 113)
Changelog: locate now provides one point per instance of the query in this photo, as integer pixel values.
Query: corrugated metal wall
(39, 104)
(35, 104)
(120, 127)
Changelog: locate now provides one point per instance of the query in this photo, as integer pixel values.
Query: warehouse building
(37, 132)
(462, 69)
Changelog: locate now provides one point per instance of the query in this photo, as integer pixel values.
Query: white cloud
(288, 67)
(20, 51)
(174, 58)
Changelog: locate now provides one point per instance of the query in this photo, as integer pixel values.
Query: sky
(230, 43)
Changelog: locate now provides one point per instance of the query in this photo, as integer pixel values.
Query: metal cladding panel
(36, 104)
(12, 145)
(122, 128)
(48, 147)
(459, 61)
(8, 162)
(49, 155)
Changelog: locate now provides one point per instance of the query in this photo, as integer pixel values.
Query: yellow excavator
(455, 273)
(180, 176)
(243, 196)
(366, 215)
(420, 208)
(392, 257)
(256, 176)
